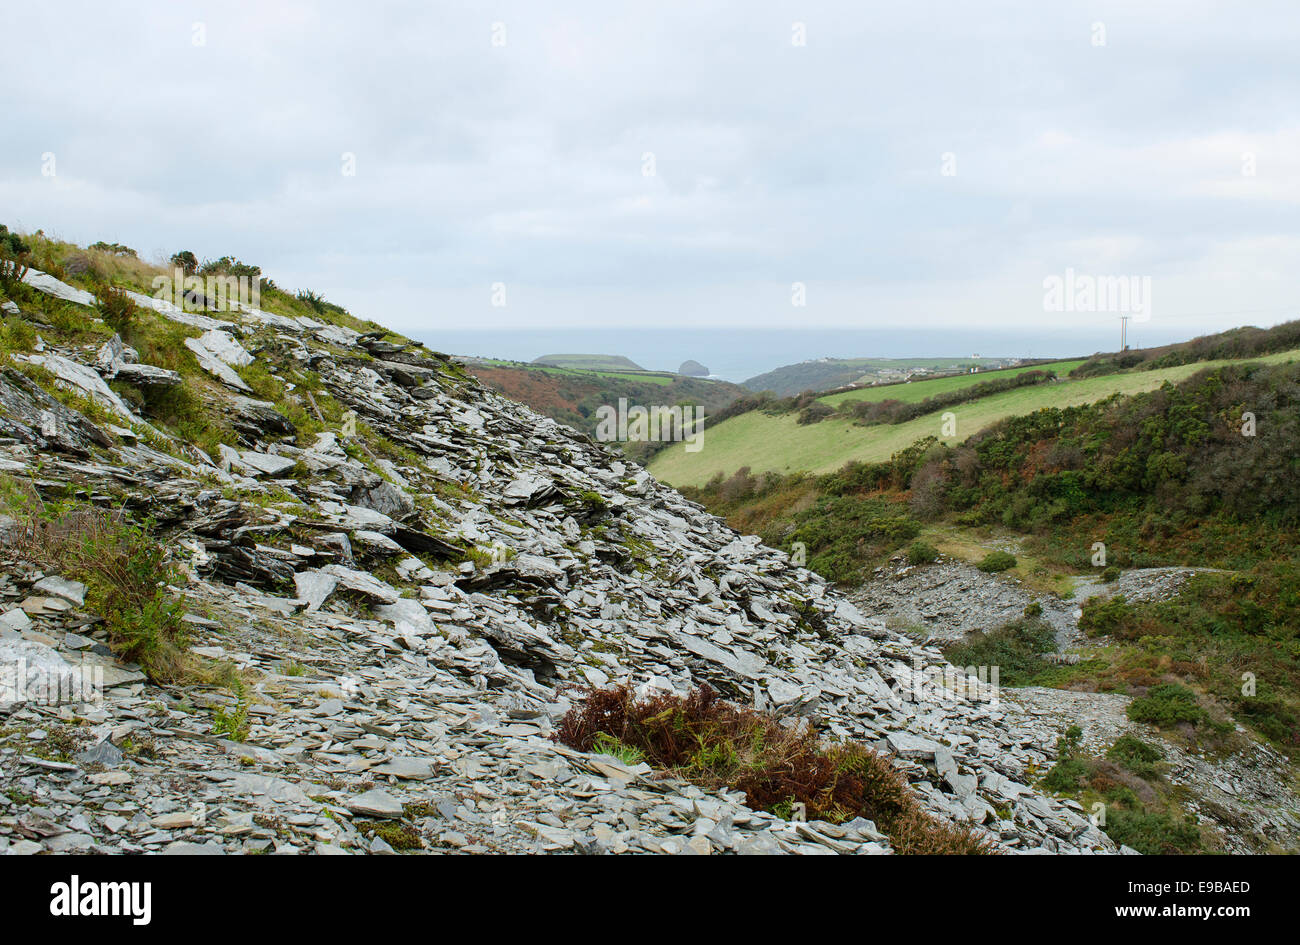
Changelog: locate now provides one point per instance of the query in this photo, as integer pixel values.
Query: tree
(187, 261)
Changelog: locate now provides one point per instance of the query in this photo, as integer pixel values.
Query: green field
(917, 391)
(780, 444)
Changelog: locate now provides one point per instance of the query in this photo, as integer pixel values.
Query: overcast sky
(507, 142)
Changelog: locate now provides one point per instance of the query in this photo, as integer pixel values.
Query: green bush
(1167, 704)
(186, 261)
(1137, 756)
(115, 249)
(1152, 833)
(1110, 575)
(921, 553)
(846, 533)
(1070, 770)
(1033, 609)
(14, 255)
(1103, 615)
(1016, 649)
(116, 307)
(996, 561)
(123, 565)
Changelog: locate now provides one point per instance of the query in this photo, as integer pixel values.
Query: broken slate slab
(907, 745)
(408, 616)
(44, 282)
(72, 591)
(362, 583)
(409, 769)
(376, 803)
(222, 346)
(216, 367)
(78, 377)
(314, 587)
(104, 753)
(266, 464)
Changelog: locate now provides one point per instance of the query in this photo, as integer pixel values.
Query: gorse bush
(1153, 833)
(996, 561)
(1016, 648)
(715, 744)
(1105, 615)
(1136, 755)
(229, 266)
(1167, 704)
(113, 249)
(921, 553)
(1070, 770)
(846, 533)
(315, 300)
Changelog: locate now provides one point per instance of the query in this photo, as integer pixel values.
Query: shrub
(921, 553)
(233, 724)
(715, 744)
(1033, 609)
(229, 266)
(14, 254)
(1070, 770)
(186, 261)
(845, 533)
(1136, 755)
(1015, 648)
(16, 334)
(116, 307)
(113, 249)
(996, 561)
(314, 299)
(1110, 575)
(815, 413)
(1152, 833)
(396, 833)
(120, 562)
(1167, 704)
(1105, 615)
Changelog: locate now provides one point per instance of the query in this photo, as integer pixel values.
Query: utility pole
(1123, 333)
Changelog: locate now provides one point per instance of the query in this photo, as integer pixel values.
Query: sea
(739, 354)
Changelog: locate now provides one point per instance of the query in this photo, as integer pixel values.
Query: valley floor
(1247, 797)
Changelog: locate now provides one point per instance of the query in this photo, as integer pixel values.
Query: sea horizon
(738, 355)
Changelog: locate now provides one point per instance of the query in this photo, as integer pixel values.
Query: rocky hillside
(388, 583)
